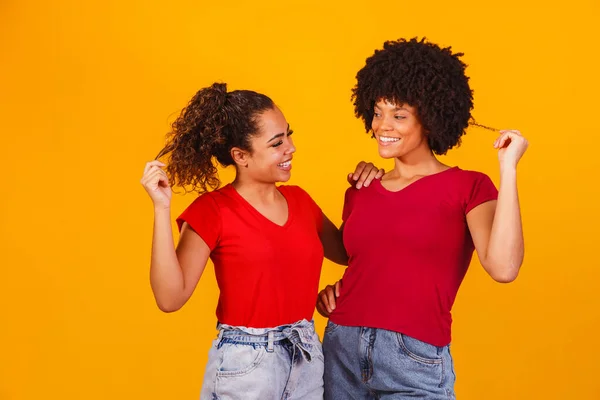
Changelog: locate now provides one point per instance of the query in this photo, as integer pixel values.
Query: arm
(333, 245)
(496, 226)
(331, 236)
(174, 273)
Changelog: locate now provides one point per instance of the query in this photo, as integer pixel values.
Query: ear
(239, 156)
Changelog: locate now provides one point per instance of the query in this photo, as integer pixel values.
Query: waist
(304, 330)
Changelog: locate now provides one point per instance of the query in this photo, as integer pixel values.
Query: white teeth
(285, 164)
(388, 139)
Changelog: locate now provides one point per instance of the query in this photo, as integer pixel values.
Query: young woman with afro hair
(410, 237)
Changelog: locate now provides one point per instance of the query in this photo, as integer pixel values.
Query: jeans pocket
(419, 351)
(239, 359)
(331, 327)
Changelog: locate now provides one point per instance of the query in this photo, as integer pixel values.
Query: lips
(286, 165)
(387, 140)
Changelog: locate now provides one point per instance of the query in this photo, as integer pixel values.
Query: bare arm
(174, 273)
(333, 245)
(331, 236)
(497, 233)
(495, 226)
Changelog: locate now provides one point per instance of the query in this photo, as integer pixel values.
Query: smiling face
(398, 130)
(272, 147)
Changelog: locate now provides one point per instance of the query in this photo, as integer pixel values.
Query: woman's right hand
(327, 297)
(156, 183)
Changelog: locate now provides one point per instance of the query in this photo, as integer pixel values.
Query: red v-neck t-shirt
(268, 275)
(409, 252)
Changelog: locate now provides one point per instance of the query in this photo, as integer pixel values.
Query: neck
(252, 189)
(420, 161)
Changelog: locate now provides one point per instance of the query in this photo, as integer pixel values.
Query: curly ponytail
(213, 122)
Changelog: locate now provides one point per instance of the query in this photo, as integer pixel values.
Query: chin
(284, 177)
(389, 153)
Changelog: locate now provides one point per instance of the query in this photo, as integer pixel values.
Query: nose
(387, 123)
(290, 148)
(383, 123)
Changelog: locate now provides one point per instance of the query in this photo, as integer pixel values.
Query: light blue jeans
(283, 363)
(369, 363)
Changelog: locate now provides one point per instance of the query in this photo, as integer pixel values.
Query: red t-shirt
(268, 275)
(409, 252)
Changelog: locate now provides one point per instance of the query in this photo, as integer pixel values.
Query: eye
(399, 116)
(376, 114)
(281, 141)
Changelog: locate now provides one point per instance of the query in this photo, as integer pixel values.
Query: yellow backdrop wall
(87, 90)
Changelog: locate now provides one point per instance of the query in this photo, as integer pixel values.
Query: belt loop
(270, 341)
(219, 338)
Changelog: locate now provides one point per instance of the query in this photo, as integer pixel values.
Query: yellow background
(87, 90)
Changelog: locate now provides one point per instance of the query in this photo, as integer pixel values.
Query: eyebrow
(396, 108)
(278, 135)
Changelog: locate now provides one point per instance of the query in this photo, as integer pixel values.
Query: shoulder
(294, 191)
(469, 178)
(299, 198)
(475, 188)
(352, 192)
(212, 200)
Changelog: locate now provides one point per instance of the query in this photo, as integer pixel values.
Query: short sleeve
(204, 217)
(348, 203)
(307, 202)
(482, 190)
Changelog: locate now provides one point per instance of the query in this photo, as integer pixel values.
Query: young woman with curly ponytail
(267, 244)
(410, 237)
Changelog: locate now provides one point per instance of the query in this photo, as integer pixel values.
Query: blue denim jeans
(369, 363)
(283, 363)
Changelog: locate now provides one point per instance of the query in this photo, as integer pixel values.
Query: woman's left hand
(364, 174)
(511, 146)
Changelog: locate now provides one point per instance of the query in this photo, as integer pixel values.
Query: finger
(322, 310)
(358, 171)
(515, 131)
(507, 139)
(155, 179)
(380, 173)
(163, 181)
(350, 179)
(337, 288)
(370, 177)
(501, 139)
(152, 164)
(147, 179)
(319, 306)
(324, 301)
(331, 298)
(150, 183)
(152, 169)
(155, 172)
(497, 141)
(364, 176)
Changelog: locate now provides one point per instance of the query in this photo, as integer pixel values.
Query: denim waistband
(299, 334)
